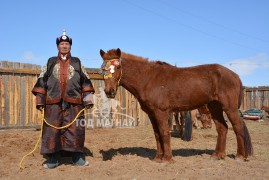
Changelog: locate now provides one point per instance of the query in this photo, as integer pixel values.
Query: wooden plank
(133, 107)
(266, 98)
(4, 92)
(36, 127)
(16, 99)
(19, 83)
(28, 122)
(31, 97)
(16, 94)
(96, 76)
(19, 71)
(244, 100)
(6, 105)
(11, 99)
(1, 100)
(30, 100)
(23, 101)
(139, 114)
(122, 109)
(260, 88)
(33, 102)
(37, 114)
(32, 81)
(126, 104)
(10, 94)
(136, 111)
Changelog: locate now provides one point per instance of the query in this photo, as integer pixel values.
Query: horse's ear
(119, 52)
(102, 52)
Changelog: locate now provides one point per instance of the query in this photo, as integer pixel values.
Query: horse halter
(108, 69)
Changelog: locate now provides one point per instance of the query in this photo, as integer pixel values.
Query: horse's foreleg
(222, 129)
(161, 118)
(159, 154)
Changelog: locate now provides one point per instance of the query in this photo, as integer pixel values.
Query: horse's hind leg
(194, 119)
(180, 126)
(222, 129)
(244, 146)
(170, 121)
(159, 154)
(177, 121)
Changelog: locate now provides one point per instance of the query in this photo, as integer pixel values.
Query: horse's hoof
(240, 158)
(158, 160)
(171, 161)
(217, 156)
(168, 159)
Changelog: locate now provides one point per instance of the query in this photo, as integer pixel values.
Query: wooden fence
(17, 104)
(255, 97)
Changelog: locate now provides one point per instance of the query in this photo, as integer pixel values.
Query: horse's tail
(247, 139)
(247, 142)
(240, 94)
(188, 126)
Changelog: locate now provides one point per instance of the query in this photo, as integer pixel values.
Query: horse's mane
(133, 57)
(142, 59)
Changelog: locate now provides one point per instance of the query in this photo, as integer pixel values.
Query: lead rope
(41, 131)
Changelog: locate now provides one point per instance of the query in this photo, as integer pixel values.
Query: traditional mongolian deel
(62, 80)
(62, 87)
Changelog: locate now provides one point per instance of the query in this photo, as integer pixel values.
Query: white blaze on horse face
(112, 69)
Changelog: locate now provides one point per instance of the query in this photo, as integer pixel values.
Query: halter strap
(111, 74)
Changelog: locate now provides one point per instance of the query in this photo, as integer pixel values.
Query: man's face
(64, 47)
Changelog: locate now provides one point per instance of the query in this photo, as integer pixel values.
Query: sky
(233, 33)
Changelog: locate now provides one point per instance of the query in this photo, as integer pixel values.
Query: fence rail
(17, 104)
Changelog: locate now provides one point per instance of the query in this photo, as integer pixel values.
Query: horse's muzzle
(111, 93)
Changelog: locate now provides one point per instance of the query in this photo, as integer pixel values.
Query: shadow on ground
(150, 153)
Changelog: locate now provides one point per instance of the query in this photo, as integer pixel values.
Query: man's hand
(89, 106)
(40, 107)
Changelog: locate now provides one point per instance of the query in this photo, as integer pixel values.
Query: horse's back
(214, 82)
(227, 86)
(191, 87)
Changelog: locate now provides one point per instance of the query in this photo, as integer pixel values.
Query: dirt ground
(127, 153)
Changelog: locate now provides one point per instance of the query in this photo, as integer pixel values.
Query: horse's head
(111, 69)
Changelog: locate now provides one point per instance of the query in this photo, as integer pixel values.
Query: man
(63, 89)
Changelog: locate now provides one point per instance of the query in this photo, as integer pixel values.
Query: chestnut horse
(205, 117)
(265, 108)
(184, 122)
(188, 121)
(162, 89)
